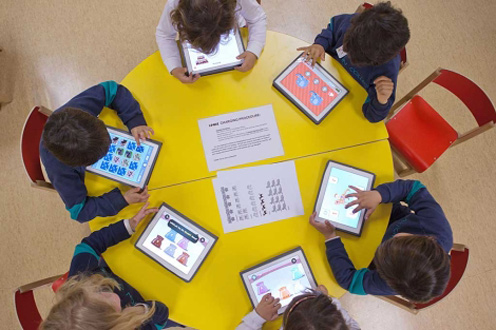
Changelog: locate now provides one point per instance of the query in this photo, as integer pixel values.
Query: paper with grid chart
(254, 196)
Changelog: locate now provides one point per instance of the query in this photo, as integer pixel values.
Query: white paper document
(254, 196)
(240, 137)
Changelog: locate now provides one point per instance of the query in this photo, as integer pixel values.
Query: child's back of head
(376, 35)
(313, 311)
(416, 267)
(78, 307)
(203, 22)
(75, 137)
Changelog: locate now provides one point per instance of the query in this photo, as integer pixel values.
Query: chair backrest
(26, 309)
(459, 261)
(30, 141)
(476, 100)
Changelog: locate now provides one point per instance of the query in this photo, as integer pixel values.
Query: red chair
(419, 135)
(27, 312)
(30, 141)
(459, 261)
(403, 62)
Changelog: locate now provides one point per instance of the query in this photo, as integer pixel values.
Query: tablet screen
(331, 200)
(225, 54)
(312, 89)
(125, 161)
(285, 277)
(176, 242)
(334, 201)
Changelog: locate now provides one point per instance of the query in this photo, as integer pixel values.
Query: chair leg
(401, 165)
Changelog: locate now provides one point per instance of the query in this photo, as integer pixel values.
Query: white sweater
(253, 321)
(248, 12)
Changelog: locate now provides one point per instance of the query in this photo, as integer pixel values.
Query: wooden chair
(459, 260)
(403, 58)
(419, 135)
(30, 141)
(27, 311)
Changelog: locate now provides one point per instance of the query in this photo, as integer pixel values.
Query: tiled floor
(60, 47)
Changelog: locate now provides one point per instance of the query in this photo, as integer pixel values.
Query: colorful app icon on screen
(301, 81)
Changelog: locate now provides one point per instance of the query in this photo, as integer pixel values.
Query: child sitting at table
(74, 138)
(202, 23)
(312, 310)
(413, 259)
(368, 45)
(94, 297)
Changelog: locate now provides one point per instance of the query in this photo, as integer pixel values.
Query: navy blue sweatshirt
(68, 180)
(86, 260)
(427, 219)
(332, 39)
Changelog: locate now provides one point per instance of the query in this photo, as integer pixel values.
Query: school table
(216, 298)
(173, 109)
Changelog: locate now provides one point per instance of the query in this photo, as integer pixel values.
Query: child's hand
(181, 74)
(134, 195)
(249, 61)
(368, 200)
(134, 221)
(384, 88)
(267, 307)
(313, 52)
(326, 228)
(323, 289)
(142, 133)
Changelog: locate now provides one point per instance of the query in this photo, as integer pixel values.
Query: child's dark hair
(313, 311)
(416, 267)
(376, 35)
(76, 137)
(203, 22)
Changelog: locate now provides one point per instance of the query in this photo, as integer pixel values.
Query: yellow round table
(216, 298)
(173, 110)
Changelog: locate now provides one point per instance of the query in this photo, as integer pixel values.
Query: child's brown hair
(203, 22)
(376, 35)
(313, 311)
(416, 267)
(75, 137)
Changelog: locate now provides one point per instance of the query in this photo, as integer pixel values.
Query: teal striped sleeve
(76, 209)
(417, 185)
(110, 91)
(85, 248)
(356, 285)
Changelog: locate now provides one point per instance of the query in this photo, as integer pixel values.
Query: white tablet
(285, 277)
(125, 161)
(176, 242)
(312, 90)
(222, 59)
(331, 200)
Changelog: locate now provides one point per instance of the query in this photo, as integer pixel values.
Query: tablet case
(186, 219)
(296, 103)
(274, 259)
(158, 143)
(320, 188)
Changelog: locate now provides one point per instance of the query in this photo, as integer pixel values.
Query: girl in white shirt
(312, 310)
(202, 23)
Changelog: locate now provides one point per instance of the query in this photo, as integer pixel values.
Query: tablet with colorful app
(176, 242)
(331, 199)
(285, 277)
(222, 59)
(125, 161)
(313, 90)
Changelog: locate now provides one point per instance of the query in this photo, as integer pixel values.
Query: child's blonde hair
(78, 309)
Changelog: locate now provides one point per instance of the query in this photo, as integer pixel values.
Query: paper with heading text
(240, 137)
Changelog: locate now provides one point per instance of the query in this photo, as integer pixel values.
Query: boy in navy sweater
(368, 46)
(413, 259)
(74, 138)
(94, 297)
